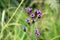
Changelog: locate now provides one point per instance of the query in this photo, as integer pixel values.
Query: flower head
(28, 9)
(33, 20)
(37, 33)
(24, 28)
(28, 20)
(37, 11)
(38, 15)
(32, 15)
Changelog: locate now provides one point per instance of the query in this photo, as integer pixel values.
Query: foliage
(13, 15)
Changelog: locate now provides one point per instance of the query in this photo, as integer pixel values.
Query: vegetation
(13, 25)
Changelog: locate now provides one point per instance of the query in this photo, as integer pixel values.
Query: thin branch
(2, 20)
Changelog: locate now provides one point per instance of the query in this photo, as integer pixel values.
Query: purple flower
(38, 15)
(28, 9)
(32, 15)
(37, 33)
(33, 20)
(37, 11)
(28, 20)
(24, 28)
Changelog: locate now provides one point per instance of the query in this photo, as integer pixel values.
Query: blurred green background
(13, 15)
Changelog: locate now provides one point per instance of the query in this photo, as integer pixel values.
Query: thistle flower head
(28, 9)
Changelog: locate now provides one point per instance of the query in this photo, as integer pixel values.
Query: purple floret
(32, 15)
(28, 9)
(37, 11)
(37, 34)
(36, 31)
(38, 15)
(28, 20)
